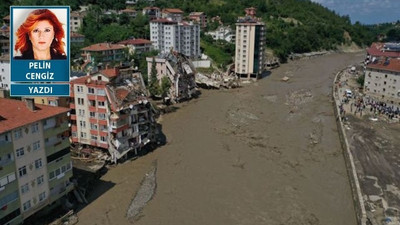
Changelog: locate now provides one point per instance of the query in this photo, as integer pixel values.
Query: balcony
(56, 130)
(73, 117)
(57, 146)
(103, 122)
(72, 105)
(91, 97)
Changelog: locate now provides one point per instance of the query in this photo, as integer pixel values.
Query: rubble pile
(217, 80)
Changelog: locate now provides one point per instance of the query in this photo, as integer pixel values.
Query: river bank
(266, 153)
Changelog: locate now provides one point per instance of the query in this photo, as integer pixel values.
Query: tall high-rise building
(182, 37)
(35, 158)
(250, 39)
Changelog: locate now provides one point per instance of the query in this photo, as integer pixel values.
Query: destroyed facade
(180, 72)
(110, 111)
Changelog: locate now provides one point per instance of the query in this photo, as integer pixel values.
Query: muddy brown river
(266, 153)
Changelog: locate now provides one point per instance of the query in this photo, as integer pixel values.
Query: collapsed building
(110, 111)
(180, 72)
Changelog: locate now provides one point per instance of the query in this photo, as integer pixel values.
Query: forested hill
(292, 25)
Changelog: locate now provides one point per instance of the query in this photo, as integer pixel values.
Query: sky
(365, 11)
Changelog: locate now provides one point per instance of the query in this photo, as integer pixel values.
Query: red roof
(103, 47)
(163, 20)
(169, 10)
(74, 34)
(393, 65)
(377, 48)
(80, 80)
(134, 42)
(113, 72)
(128, 10)
(147, 8)
(14, 114)
(121, 93)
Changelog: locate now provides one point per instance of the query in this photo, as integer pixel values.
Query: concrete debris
(144, 194)
(217, 80)
(285, 78)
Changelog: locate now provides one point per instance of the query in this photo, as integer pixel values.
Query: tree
(154, 86)
(165, 85)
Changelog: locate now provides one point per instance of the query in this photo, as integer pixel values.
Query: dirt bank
(267, 153)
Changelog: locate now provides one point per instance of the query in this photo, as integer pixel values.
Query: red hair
(23, 44)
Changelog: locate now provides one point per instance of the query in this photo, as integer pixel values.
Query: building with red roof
(152, 12)
(382, 80)
(109, 111)
(138, 46)
(172, 14)
(378, 49)
(103, 52)
(199, 17)
(34, 158)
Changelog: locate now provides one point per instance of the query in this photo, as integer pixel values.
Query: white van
(349, 94)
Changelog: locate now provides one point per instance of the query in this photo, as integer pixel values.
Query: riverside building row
(35, 163)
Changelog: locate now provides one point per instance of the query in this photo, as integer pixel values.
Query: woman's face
(42, 36)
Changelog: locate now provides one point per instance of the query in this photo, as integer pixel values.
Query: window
(102, 138)
(38, 163)
(42, 196)
(36, 145)
(83, 135)
(82, 124)
(93, 126)
(18, 133)
(92, 114)
(24, 188)
(94, 138)
(79, 88)
(27, 205)
(51, 175)
(91, 90)
(81, 101)
(101, 104)
(102, 116)
(35, 128)
(22, 171)
(40, 180)
(20, 152)
(81, 112)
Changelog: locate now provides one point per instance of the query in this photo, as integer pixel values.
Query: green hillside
(293, 26)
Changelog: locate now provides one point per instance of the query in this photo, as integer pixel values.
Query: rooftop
(103, 47)
(110, 73)
(74, 34)
(170, 10)
(388, 65)
(378, 49)
(150, 8)
(128, 10)
(14, 114)
(163, 20)
(196, 13)
(134, 42)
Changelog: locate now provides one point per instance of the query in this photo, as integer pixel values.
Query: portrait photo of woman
(40, 36)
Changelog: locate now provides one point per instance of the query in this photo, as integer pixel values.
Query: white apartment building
(76, 20)
(182, 37)
(223, 33)
(250, 38)
(34, 158)
(382, 81)
(5, 72)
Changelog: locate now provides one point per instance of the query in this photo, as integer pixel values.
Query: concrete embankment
(348, 156)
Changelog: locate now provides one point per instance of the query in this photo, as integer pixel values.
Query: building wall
(5, 72)
(82, 113)
(9, 194)
(184, 39)
(249, 50)
(27, 142)
(75, 22)
(383, 85)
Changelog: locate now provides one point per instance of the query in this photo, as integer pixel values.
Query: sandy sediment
(267, 153)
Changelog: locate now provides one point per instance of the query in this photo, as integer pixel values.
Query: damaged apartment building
(180, 72)
(110, 111)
